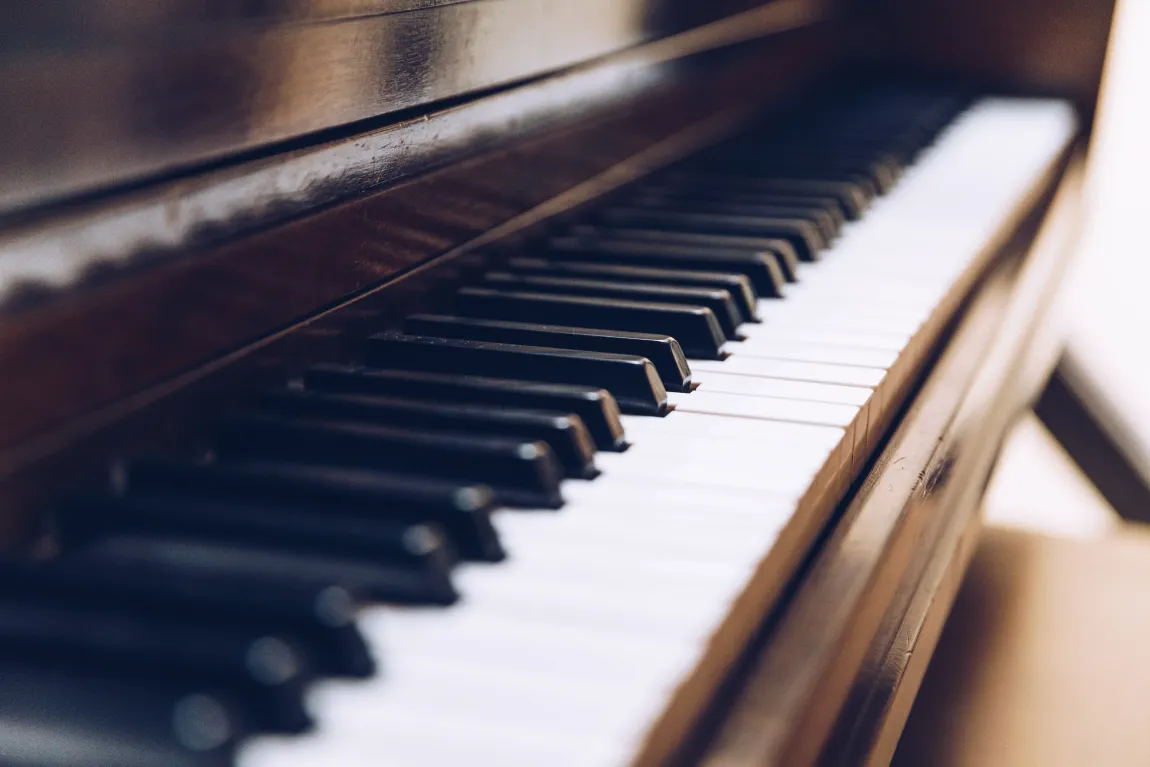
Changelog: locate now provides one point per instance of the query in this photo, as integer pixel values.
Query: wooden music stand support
(1076, 411)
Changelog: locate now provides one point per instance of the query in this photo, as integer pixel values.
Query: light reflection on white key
(767, 408)
(790, 333)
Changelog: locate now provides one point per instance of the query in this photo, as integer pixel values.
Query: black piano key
(883, 167)
(631, 380)
(565, 433)
(664, 352)
(647, 248)
(825, 223)
(372, 581)
(71, 718)
(738, 285)
(263, 671)
(843, 152)
(418, 547)
(715, 196)
(594, 406)
(521, 472)
(460, 509)
(803, 237)
(782, 261)
(718, 300)
(694, 327)
(879, 175)
(852, 197)
(865, 185)
(318, 617)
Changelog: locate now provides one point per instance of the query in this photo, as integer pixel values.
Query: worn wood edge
(871, 722)
(781, 718)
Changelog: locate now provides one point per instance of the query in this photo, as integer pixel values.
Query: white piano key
(889, 288)
(833, 319)
(781, 388)
(703, 464)
(800, 351)
(611, 491)
(893, 342)
(769, 408)
(816, 372)
(875, 317)
(766, 434)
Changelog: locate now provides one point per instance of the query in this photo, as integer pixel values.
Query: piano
(512, 382)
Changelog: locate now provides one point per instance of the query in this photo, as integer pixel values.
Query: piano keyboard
(508, 537)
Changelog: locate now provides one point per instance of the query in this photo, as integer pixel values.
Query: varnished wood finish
(794, 690)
